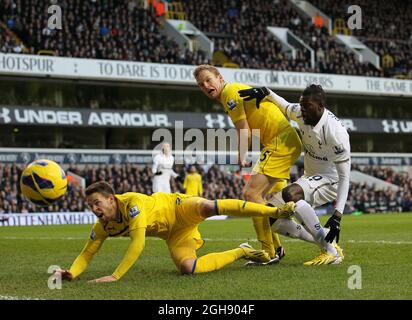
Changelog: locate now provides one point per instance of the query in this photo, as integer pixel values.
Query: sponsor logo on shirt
(92, 235)
(231, 104)
(134, 211)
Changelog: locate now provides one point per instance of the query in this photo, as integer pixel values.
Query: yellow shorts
(277, 158)
(184, 237)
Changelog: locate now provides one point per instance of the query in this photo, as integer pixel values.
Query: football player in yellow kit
(281, 146)
(172, 217)
(193, 182)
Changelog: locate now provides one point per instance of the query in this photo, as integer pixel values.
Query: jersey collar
(321, 122)
(121, 208)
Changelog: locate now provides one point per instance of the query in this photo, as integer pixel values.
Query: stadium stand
(386, 30)
(129, 32)
(238, 29)
(217, 184)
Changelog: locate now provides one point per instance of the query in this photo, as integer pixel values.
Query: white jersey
(163, 164)
(327, 155)
(325, 144)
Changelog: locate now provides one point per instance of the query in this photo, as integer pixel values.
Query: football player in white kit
(327, 170)
(163, 169)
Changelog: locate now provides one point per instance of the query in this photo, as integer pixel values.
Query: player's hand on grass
(334, 225)
(103, 279)
(63, 274)
(254, 93)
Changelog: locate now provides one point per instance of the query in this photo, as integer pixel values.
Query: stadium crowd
(239, 30)
(217, 184)
(127, 30)
(386, 29)
(109, 29)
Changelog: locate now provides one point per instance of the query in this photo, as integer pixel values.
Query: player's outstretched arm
(291, 110)
(333, 223)
(254, 93)
(132, 254)
(244, 141)
(82, 261)
(261, 93)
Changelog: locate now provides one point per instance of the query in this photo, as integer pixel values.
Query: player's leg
(306, 215)
(184, 243)
(193, 210)
(240, 208)
(279, 185)
(255, 191)
(287, 227)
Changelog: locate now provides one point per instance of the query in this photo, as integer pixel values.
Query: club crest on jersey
(338, 149)
(178, 201)
(92, 235)
(231, 104)
(134, 211)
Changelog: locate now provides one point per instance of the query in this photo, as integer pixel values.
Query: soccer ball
(43, 182)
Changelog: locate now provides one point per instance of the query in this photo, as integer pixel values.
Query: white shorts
(161, 185)
(318, 189)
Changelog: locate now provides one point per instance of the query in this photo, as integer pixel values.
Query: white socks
(290, 228)
(306, 215)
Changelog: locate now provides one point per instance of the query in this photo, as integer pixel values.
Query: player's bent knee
(294, 193)
(187, 266)
(206, 208)
(250, 195)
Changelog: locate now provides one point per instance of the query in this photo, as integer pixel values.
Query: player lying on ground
(172, 217)
(281, 146)
(327, 169)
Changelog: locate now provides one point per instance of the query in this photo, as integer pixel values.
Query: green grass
(380, 244)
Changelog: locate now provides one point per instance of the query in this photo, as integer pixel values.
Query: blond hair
(205, 67)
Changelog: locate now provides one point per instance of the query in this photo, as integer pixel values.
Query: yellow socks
(216, 261)
(264, 234)
(240, 208)
(276, 240)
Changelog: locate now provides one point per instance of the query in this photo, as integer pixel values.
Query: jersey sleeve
(137, 215)
(233, 103)
(340, 146)
(132, 254)
(97, 237)
(341, 158)
(291, 110)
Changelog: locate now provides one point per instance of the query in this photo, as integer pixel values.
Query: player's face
(211, 84)
(103, 207)
(311, 110)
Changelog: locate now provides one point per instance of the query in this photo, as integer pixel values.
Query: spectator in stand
(318, 21)
(100, 30)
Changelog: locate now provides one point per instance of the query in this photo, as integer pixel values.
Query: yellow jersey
(193, 184)
(139, 215)
(268, 118)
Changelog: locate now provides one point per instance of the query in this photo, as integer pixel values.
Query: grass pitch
(381, 245)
